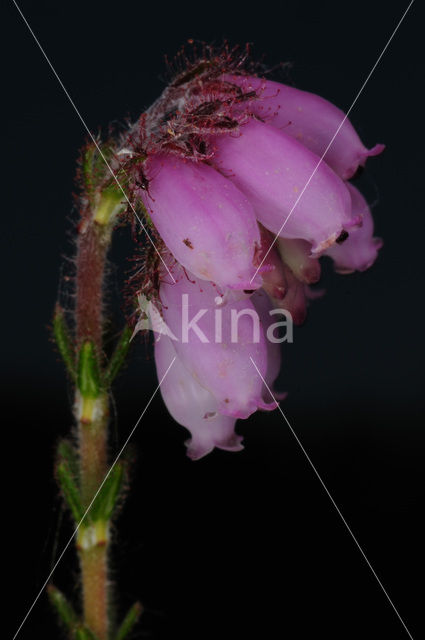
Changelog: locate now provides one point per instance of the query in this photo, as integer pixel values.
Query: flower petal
(273, 169)
(192, 406)
(205, 221)
(310, 119)
(217, 357)
(360, 250)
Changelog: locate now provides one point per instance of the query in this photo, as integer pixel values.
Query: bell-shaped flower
(192, 406)
(310, 119)
(216, 341)
(205, 221)
(359, 251)
(292, 194)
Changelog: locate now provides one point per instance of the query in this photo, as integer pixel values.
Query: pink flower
(214, 354)
(272, 169)
(205, 221)
(311, 120)
(192, 406)
(360, 250)
(227, 165)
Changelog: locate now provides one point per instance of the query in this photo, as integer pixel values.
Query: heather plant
(236, 186)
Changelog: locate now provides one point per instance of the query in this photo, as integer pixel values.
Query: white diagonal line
(334, 136)
(90, 134)
(333, 502)
(92, 501)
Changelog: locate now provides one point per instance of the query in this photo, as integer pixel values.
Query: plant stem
(91, 411)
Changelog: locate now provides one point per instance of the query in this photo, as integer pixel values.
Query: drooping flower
(360, 250)
(272, 169)
(193, 406)
(215, 340)
(242, 203)
(205, 221)
(310, 119)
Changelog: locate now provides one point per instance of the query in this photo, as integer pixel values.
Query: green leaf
(107, 497)
(66, 452)
(94, 169)
(63, 608)
(129, 621)
(118, 356)
(88, 371)
(110, 204)
(84, 633)
(70, 490)
(63, 340)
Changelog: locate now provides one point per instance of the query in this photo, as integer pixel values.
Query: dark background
(234, 543)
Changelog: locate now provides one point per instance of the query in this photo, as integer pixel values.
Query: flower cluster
(231, 178)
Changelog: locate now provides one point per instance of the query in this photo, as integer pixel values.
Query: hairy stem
(91, 408)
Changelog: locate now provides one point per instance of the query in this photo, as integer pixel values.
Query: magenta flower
(272, 169)
(311, 120)
(192, 406)
(216, 357)
(360, 250)
(228, 168)
(205, 221)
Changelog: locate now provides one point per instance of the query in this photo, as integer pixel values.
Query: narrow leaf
(83, 633)
(67, 453)
(129, 621)
(63, 340)
(70, 490)
(63, 608)
(94, 168)
(118, 356)
(88, 371)
(106, 500)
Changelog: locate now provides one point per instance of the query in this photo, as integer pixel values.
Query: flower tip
(267, 406)
(196, 451)
(233, 444)
(375, 151)
(354, 169)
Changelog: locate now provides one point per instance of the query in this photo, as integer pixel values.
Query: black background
(234, 543)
